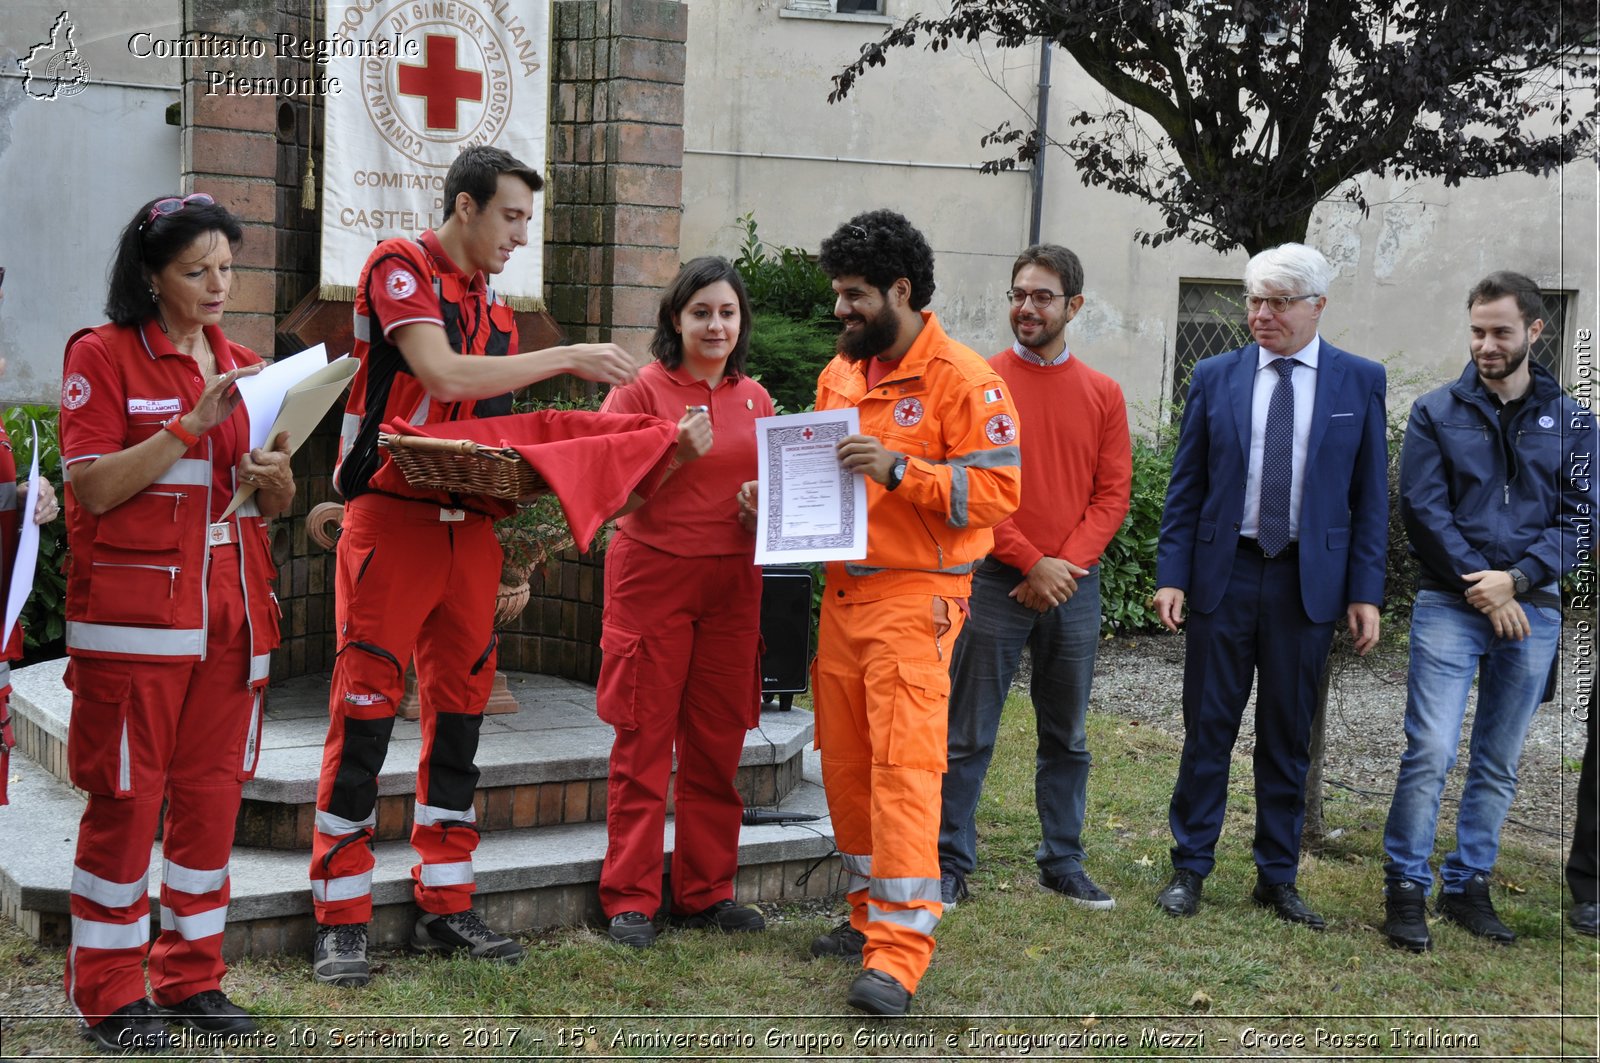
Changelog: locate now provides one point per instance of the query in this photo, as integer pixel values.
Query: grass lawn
(1018, 972)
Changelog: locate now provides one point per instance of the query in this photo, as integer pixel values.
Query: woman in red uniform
(170, 622)
(681, 630)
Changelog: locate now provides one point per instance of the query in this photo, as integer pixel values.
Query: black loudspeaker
(785, 628)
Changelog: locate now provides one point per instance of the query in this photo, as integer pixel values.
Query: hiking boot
(633, 929)
(340, 955)
(1474, 912)
(843, 941)
(877, 993)
(134, 1027)
(463, 930)
(726, 916)
(1078, 888)
(1405, 921)
(952, 888)
(211, 1012)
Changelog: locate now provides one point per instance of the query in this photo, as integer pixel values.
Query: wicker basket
(462, 466)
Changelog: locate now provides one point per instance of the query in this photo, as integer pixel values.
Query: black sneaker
(633, 929)
(877, 993)
(340, 955)
(463, 931)
(1474, 912)
(952, 888)
(134, 1027)
(211, 1012)
(726, 916)
(1078, 888)
(1406, 917)
(843, 941)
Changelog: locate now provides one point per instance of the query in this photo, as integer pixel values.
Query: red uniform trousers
(408, 582)
(184, 731)
(681, 668)
(882, 716)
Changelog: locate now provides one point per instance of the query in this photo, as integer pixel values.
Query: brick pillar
(230, 151)
(616, 161)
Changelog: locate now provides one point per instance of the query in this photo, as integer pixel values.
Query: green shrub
(786, 355)
(44, 616)
(783, 280)
(1128, 563)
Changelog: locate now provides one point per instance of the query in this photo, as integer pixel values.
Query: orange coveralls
(882, 678)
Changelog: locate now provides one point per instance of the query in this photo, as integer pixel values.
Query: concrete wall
(58, 235)
(908, 138)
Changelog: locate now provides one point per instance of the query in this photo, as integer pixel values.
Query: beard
(872, 338)
(1047, 335)
(1512, 364)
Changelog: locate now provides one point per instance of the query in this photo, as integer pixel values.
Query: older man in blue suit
(1276, 525)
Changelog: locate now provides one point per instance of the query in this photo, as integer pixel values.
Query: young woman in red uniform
(681, 629)
(170, 622)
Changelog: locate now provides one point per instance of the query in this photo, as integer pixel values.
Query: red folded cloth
(592, 461)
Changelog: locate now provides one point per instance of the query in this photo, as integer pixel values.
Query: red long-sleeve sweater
(1077, 462)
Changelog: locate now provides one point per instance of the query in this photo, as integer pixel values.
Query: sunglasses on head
(173, 204)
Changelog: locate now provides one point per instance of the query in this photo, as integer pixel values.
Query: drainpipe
(1043, 116)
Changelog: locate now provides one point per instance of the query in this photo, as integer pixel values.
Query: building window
(1550, 349)
(1211, 320)
(837, 10)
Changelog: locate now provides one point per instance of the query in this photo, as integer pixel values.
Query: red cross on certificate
(441, 82)
(807, 434)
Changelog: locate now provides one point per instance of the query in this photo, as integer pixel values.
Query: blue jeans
(1451, 642)
(1063, 641)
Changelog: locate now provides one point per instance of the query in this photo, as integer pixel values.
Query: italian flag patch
(992, 395)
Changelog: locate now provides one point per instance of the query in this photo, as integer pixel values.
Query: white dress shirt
(1304, 380)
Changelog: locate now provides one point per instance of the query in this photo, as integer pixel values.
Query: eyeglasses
(173, 204)
(1276, 303)
(1041, 297)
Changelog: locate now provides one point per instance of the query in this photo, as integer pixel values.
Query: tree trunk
(1314, 834)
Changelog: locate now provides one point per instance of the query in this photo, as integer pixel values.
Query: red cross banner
(417, 81)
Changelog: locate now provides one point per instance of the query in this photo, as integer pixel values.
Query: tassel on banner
(525, 303)
(337, 293)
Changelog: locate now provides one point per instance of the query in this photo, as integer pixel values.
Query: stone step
(543, 765)
(526, 877)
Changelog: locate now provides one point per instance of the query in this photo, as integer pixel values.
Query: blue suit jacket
(1344, 504)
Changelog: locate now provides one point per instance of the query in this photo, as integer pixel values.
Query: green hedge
(44, 615)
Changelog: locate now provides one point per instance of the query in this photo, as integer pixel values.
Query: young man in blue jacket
(1494, 492)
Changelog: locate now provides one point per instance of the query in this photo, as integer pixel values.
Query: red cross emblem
(907, 412)
(75, 391)
(441, 82)
(807, 434)
(1001, 429)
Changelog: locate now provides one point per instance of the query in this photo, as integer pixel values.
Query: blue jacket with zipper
(1474, 497)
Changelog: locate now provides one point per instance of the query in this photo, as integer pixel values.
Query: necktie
(1277, 462)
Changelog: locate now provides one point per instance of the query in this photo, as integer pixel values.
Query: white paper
(811, 508)
(263, 393)
(300, 407)
(27, 559)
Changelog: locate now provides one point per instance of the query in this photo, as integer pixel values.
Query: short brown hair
(1503, 282)
(477, 171)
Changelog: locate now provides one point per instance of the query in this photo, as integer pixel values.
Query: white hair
(1301, 269)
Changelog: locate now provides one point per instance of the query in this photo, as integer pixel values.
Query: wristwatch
(897, 472)
(1519, 582)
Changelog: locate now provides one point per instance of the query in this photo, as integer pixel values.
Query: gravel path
(1141, 678)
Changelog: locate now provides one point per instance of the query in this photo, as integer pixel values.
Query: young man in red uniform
(938, 445)
(1041, 586)
(417, 569)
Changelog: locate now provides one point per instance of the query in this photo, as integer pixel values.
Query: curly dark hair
(148, 244)
(667, 344)
(882, 247)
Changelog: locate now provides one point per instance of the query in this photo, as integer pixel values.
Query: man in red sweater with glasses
(1041, 586)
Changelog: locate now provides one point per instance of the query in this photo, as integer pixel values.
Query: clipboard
(302, 408)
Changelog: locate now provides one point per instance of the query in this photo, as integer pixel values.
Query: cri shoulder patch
(75, 391)
(1000, 429)
(401, 283)
(908, 412)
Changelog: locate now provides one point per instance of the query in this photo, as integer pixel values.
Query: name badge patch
(172, 405)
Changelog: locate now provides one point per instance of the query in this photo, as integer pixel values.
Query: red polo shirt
(695, 514)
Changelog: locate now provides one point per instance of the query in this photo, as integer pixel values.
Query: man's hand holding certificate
(810, 506)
